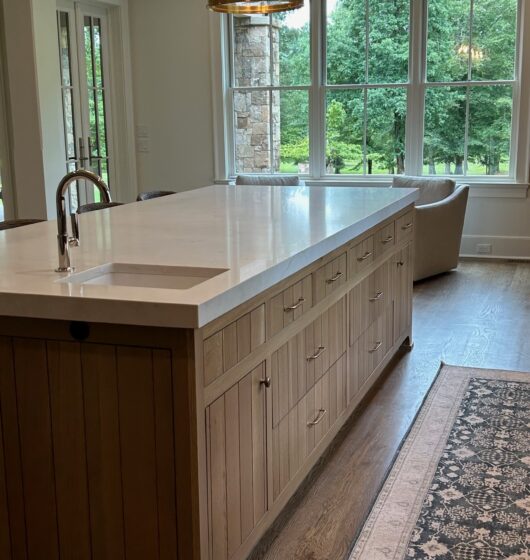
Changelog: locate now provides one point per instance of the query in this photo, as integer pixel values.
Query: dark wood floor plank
(478, 316)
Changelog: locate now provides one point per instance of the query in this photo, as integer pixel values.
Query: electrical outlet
(142, 131)
(484, 249)
(143, 145)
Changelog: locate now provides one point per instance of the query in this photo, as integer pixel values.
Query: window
(375, 88)
(82, 32)
(471, 48)
(271, 78)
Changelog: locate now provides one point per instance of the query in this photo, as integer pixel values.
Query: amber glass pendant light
(254, 6)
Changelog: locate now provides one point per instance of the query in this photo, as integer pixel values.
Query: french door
(83, 34)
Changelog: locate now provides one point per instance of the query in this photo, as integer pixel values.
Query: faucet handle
(74, 240)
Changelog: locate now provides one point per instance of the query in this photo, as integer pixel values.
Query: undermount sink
(144, 276)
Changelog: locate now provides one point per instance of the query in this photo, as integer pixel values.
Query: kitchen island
(167, 398)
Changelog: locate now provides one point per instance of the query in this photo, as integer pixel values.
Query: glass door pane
(82, 34)
(71, 124)
(96, 97)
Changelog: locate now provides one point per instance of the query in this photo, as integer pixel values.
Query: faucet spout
(63, 239)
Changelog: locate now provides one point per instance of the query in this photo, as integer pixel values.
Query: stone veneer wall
(252, 68)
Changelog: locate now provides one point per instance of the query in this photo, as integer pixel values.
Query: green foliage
(295, 152)
(380, 55)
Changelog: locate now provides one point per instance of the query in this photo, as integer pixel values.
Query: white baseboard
(502, 247)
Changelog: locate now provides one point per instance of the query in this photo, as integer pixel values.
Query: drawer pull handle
(321, 413)
(301, 302)
(377, 296)
(367, 255)
(266, 382)
(335, 278)
(407, 226)
(317, 354)
(376, 347)
(387, 240)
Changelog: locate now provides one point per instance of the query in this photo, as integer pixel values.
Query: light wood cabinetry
(135, 442)
(385, 239)
(236, 426)
(330, 277)
(405, 227)
(361, 256)
(403, 277)
(299, 432)
(228, 346)
(289, 305)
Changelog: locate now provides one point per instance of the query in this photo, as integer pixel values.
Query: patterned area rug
(460, 486)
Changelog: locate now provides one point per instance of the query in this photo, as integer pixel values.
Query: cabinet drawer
(385, 239)
(369, 299)
(227, 347)
(405, 227)
(369, 350)
(300, 431)
(303, 360)
(361, 256)
(289, 305)
(329, 277)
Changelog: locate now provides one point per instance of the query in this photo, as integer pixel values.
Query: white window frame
(513, 185)
(5, 154)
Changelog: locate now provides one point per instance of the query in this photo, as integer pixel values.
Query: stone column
(253, 111)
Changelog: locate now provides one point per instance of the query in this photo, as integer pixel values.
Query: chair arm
(439, 229)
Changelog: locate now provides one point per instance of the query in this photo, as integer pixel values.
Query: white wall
(34, 105)
(172, 92)
(50, 102)
(28, 198)
(503, 223)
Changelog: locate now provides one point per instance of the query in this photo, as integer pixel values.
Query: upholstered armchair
(274, 180)
(439, 221)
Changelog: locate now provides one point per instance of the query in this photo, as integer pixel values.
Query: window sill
(478, 189)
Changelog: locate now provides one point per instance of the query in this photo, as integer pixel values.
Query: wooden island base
(151, 443)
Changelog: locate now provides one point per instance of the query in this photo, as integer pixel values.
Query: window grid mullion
(366, 79)
(317, 98)
(271, 95)
(468, 87)
(414, 130)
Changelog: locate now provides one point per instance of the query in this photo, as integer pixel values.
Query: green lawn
(351, 169)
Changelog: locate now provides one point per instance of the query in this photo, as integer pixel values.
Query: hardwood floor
(478, 316)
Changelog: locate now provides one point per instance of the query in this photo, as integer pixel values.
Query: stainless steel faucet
(64, 241)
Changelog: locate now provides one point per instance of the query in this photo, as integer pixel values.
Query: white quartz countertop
(256, 236)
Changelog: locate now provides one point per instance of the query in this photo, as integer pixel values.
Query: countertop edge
(216, 307)
(187, 316)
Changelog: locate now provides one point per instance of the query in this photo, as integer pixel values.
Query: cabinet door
(237, 463)
(403, 274)
(88, 434)
(297, 434)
